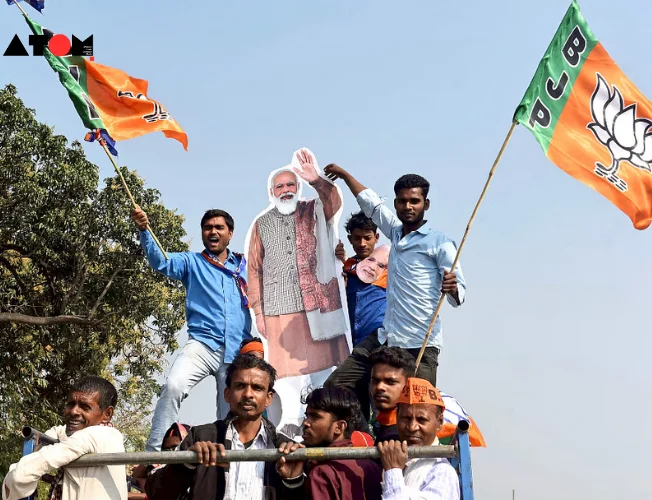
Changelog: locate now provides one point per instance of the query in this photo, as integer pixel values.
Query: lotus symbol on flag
(617, 127)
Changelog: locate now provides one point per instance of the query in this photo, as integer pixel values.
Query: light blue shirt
(214, 310)
(415, 271)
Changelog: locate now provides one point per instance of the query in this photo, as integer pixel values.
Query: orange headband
(255, 346)
(420, 391)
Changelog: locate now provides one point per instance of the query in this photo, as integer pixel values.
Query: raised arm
(334, 172)
(369, 201)
(329, 196)
(175, 267)
(328, 193)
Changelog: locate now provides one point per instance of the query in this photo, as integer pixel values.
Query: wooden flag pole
(115, 166)
(20, 8)
(466, 233)
(124, 184)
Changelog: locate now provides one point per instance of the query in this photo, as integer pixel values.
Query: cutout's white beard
(286, 207)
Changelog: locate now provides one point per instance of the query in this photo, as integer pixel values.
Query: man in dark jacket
(249, 391)
(331, 417)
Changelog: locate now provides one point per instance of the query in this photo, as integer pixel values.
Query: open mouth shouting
(213, 242)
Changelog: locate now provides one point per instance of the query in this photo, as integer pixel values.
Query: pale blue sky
(550, 353)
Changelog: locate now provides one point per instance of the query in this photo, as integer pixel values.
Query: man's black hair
(410, 181)
(216, 212)
(93, 384)
(359, 220)
(247, 362)
(341, 402)
(174, 430)
(395, 357)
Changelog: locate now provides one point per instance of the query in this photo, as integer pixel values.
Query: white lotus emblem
(617, 127)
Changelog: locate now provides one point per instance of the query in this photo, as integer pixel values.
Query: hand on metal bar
(190, 457)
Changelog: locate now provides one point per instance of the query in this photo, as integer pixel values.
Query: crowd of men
(377, 390)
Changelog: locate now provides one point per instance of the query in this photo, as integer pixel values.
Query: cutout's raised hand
(308, 171)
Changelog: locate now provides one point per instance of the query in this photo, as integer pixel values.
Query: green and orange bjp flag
(109, 99)
(590, 119)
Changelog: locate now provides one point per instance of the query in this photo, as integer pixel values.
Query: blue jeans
(194, 363)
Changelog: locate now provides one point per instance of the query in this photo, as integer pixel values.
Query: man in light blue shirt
(217, 313)
(418, 272)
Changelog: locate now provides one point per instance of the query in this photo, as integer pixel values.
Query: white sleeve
(376, 210)
(23, 477)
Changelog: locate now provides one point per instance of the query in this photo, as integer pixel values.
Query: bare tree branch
(44, 320)
(81, 285)
(77, 285)
(107, 317)
(106, 289)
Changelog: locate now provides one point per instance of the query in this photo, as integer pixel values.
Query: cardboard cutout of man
(374, 267)
(296, 289)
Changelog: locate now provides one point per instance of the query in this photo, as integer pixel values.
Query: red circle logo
(59, 45)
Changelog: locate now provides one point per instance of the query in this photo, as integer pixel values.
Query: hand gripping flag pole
(466, 233)
(124, 184)
(102, 141)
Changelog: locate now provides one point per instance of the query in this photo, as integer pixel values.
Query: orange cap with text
(420, 391)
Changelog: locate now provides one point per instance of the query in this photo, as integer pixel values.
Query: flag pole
(124, 184)
(466, 233)
(115, 166)
(20, 8)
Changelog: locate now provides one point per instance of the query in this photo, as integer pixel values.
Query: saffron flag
(109, 99)
(591, 120)
(37, 4)
(452, 416)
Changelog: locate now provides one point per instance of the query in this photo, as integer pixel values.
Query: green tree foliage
(77, 296)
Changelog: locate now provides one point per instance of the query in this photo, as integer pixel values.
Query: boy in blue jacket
(366, 288)
(366, 276)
